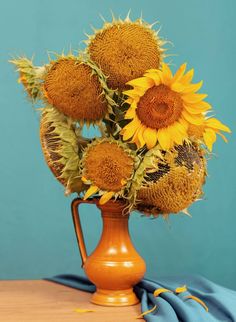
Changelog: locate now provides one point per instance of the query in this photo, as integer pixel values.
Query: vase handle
(78, 228)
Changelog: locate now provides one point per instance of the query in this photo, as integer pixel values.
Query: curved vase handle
(78, 228)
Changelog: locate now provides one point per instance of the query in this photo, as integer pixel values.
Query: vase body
(114, 266)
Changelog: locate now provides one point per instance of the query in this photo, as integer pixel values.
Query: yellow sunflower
(108, 166)
(208, 130)
(162, 106)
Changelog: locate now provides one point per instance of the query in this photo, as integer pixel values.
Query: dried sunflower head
(172, 182)
(60, 149)
(125, 49)
(77, 89)
(108, 167)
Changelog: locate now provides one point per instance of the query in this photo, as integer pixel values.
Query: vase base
(114, 298)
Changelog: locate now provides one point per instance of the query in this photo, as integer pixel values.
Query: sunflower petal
(130, 114)
(164, 140)
(191, 109)
(166, 74)
(159, 291)
(154, 76)
(91, 191)
(135, 138)
(222, 135)
(143, 82)
(198, 300)
(216, 124)
(177, 87)
(130, 129)
(197, 108)
(106, 197)
(129, 100)
(187, 78)
(134, 93)
(140, 136)
(193, 98)
(150, 137)
(176, 135)
(192, 88)
(209, 137)
(152, 71)
(193, 119)
(182, 126)
(180, 72)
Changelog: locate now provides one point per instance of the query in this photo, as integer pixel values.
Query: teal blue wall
(36, 232)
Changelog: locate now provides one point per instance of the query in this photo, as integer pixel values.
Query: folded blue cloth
(171, 306)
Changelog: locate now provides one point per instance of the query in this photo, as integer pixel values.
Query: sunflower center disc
(107, 164)
(159, 107)
(124, 51)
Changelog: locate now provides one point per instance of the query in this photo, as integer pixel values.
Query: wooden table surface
(23, 301)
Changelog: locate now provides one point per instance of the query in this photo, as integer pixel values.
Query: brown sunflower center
(71, 87)
(124, 51)
(106, 165)
(159, 107)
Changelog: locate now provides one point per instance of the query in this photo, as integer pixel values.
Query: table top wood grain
(24, 301)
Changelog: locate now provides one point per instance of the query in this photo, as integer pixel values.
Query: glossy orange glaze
(114, 266)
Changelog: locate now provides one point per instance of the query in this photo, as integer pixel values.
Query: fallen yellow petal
(159, 291)
(83, 310)
(181, 289)
(197, 300)
(146, 312)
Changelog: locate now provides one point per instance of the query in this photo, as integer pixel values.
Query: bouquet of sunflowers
(155, 128)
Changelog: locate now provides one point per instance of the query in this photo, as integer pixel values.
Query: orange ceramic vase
(114, 266)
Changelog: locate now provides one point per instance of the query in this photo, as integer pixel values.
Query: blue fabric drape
(172, 307)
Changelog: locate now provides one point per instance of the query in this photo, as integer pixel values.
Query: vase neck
(114, 209)
(115, 220)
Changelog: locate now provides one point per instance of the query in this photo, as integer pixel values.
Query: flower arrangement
(156, 129)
